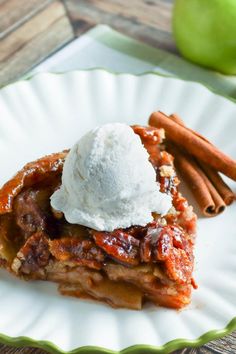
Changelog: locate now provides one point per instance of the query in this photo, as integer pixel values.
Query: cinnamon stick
(194, 144)
(178, 120)
(219, 204)
(207, 197)
(225, 192)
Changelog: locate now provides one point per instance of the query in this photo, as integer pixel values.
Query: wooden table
(31, 30)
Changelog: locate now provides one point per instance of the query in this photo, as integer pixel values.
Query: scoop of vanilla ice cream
(108, 181)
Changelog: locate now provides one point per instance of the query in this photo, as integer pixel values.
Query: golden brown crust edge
(30, 174)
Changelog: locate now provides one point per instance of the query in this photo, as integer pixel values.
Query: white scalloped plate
(49, 113)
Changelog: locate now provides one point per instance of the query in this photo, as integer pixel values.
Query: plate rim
(178, 343)
(30, 76)
(166, 348)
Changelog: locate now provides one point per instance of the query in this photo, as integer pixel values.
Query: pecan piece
(168, 244)
(33, 256)
(80, 252)
(150, 135)
(29, 216)
(118, 245)
(148, 247)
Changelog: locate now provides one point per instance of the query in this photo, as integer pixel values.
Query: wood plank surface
(16, 15)
(148, 21)
(33, 41)
(31, 30)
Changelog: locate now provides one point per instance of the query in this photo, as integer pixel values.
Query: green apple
(205, 32)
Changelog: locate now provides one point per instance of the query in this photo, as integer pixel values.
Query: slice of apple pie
(124, 266)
